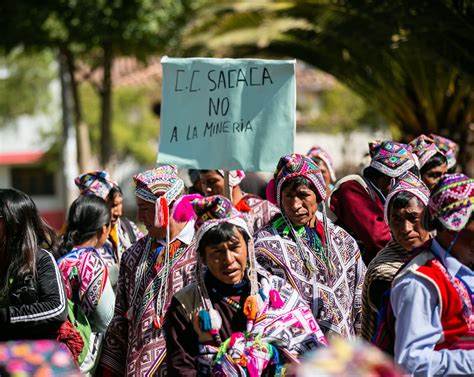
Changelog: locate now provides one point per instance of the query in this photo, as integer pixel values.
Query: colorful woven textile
(390, 158)
(163, 179)
(92, 277)
(342, 358)
(423, 148)
(452, 201)
(96, 183)
(133, 347)
(37, 358)
(448, 147)
(235, 176)
(318, 152)
(380, 273)
(292, 166)
(282, 331)
(214, 210)
(334, 297)
(408, 182)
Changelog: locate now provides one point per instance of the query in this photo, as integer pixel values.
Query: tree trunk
(106, 143)
(84, 155)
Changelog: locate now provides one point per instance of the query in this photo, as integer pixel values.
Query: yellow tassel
(251, 307)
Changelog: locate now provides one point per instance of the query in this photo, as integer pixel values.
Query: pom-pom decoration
(183, 209)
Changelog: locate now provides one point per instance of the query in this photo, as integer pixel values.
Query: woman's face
(432, 176)
(116, 207)
(212, 183)
(299, 205)
(227, 261)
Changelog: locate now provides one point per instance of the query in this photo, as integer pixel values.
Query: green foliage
(25, 79)
(344, 111)
(410, 60)
(135, 129)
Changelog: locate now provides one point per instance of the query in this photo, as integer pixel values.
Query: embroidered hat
(318, 152)
(390, 158)
(408, 182)
(452, 201)
(163, 179)
(424, 148)
(96, 183)
(292, 166)
(448, 147)
(235, 176)
(211, 211)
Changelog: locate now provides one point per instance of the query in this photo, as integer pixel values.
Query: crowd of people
(317, 278)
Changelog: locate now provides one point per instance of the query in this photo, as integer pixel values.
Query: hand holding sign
(227, 113)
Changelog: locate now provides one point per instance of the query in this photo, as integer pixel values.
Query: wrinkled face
(115, 208)
(146, 215)
(227, 261)
(405, 224)
(299, 204)
(433, 175)
(212, 183)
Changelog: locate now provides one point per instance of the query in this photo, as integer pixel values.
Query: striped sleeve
(51, 305)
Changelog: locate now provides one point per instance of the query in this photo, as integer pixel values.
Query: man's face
(227, 261)
(212, 183)
(146, 215)
(299, 204)
(433, 175)
(405, 224)
(116, 210)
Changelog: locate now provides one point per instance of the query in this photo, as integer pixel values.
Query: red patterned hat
(292, 166)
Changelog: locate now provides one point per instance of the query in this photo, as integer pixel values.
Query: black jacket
(35, 310)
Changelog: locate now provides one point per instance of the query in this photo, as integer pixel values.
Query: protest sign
(227, 113)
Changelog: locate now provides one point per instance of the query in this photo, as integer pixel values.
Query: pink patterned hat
(424, 148)
(390, 158)
(292, 166)
(213, 210)
(318, 152)
(452, 201)
(408, 182)
(448, 147)
(96, 183)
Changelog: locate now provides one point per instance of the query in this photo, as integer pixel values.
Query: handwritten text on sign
(226, 113)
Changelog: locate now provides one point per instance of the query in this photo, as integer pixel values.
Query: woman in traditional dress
(257, 211)
(235, 320)
(84, 273)
(325, 165)
(32, 299)
(357, 201)
(431, 162)
(403, 213)
(123, 232)
(318, 258)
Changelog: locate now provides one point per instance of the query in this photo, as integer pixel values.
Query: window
(33, 180)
